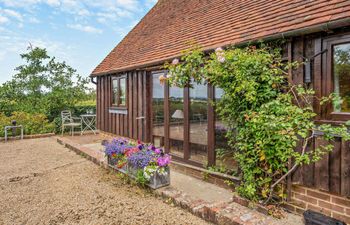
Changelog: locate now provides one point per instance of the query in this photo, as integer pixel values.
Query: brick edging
(80, 150)
(29, 136)
(221, 213)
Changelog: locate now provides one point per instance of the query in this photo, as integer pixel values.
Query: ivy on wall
(267, 116)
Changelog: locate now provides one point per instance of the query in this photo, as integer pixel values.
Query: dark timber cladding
(132, 120)
(331, 174)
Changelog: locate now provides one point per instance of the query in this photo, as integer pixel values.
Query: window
(158, 110)
(335, 69)
(176, 121)
(119, 91)
(341, 77)
(198, 118)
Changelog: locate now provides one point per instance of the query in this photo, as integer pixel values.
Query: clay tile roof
(171, 24)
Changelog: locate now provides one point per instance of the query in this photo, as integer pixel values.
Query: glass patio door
(181, 119)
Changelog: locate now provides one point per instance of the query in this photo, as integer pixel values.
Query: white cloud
(84, 12)
(102, 20)
(113, 15)
(13, 14)
(129, 4)
(53, 2)
(33, 20)
(20, 3)
(3, 19)
(88, 29)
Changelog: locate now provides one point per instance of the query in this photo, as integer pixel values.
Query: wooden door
(139, 105)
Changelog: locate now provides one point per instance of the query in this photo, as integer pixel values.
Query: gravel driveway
(41, 182)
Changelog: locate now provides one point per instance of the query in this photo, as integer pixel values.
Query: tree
(42, 85)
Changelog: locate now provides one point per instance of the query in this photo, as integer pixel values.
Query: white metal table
(88, 122)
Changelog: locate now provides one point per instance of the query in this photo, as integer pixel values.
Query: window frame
(153, 74)
(118, 104)
(328, 61)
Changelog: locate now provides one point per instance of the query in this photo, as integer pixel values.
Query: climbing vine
(268, 118)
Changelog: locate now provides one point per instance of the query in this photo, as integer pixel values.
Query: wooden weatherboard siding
(126, 121)
(331, 174)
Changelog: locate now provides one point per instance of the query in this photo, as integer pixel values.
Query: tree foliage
(42, 85)
(268, 117)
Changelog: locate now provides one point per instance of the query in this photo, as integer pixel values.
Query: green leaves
(272, 118)
(33, 124)
(42, 85)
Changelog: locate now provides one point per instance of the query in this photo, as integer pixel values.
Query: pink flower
(220, 54)
(175, 61)
(221, 58)
(164, 160)
(158, 151)
(219, 49)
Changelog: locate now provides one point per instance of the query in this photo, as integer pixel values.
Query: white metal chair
(69, 121)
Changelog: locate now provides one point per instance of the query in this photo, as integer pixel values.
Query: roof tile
(171, 24)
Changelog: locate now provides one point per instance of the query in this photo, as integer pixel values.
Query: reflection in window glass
(224, 155)
(176, 114)
(341, 74)
(115, 91)
(122, 91)
(199, 123)
(119, 91)
(158, 111)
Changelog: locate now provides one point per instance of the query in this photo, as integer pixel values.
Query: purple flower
(163, 161)
(158, 151)
(141, 159)
(175, 61)
(117, 146)
(151, 147)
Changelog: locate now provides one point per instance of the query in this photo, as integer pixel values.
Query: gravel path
(41, 182)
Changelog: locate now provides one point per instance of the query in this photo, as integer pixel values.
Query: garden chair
(69, 121)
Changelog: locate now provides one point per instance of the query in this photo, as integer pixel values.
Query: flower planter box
(160, 180)
(131, 171)
(145, 163)
(156, 181)
(112, 161)
(123, 169)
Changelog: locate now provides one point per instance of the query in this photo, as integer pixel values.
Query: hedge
(33, 123)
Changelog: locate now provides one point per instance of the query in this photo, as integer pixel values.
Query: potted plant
(115, 152)
(157, 172)
(138, 159)
(152, 164)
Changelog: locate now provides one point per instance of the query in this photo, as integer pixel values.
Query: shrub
(33, 123)
(267, 117)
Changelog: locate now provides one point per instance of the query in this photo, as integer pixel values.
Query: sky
(80, 32)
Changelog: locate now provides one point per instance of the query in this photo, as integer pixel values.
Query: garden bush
(267, 117)
(33, 123)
